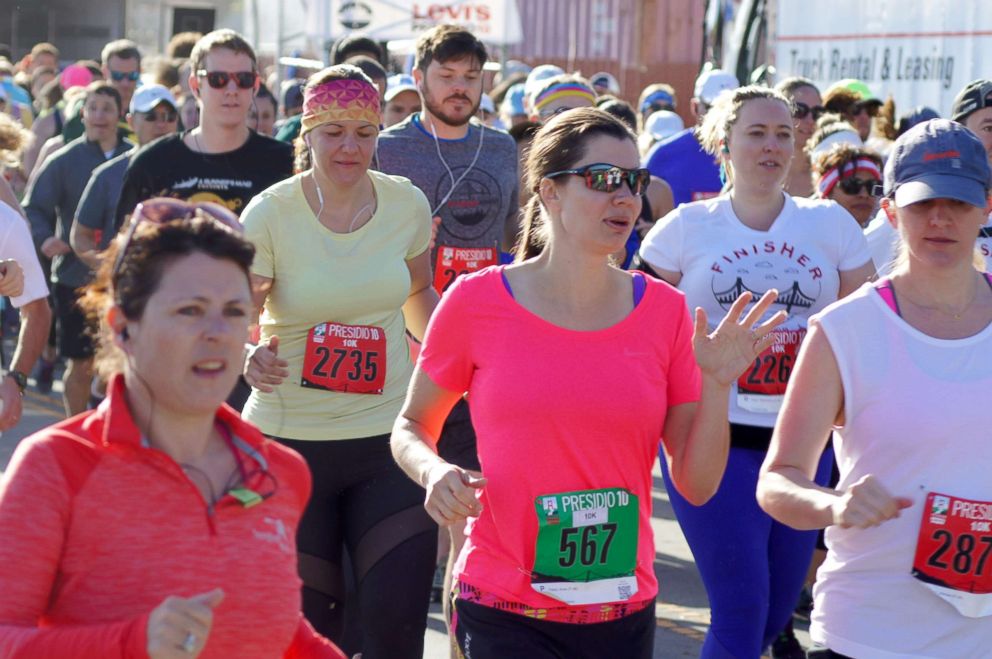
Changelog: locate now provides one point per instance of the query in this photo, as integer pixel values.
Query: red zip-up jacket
(96, 529)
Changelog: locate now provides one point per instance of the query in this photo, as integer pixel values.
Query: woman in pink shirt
(160, 524)
(575, 369)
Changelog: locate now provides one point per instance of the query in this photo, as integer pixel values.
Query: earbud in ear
(725, 149)
(124, 335)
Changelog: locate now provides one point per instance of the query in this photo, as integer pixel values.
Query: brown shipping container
(639, 41)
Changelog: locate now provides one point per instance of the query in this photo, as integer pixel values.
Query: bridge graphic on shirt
(794, 297)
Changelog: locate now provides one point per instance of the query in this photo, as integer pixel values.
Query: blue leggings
(753, 567)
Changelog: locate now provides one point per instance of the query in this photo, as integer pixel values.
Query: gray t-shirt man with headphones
(468, 171)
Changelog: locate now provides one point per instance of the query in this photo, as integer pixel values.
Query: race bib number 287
(954, 552)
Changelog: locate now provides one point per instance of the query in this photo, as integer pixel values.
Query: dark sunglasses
(160, 210)
(801, 110)
(865, 106)
(117, 76)
(168, 116)
(853, 185)
(604, 177)
(219, 79)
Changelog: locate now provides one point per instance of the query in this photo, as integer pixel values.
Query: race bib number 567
(345, 358)
(586, 550)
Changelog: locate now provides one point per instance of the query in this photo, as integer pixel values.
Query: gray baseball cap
(938, 159)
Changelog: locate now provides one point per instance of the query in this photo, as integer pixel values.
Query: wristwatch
(19, 378)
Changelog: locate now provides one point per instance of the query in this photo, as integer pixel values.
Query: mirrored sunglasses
(604, 177)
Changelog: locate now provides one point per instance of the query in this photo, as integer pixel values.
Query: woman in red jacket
(160, 524)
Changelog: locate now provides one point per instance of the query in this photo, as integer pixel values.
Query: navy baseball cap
(938, 159)
(976, 95)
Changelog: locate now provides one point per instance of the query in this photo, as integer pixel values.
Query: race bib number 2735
(345, 358)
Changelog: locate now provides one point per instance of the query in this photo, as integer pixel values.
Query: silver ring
(189, 643)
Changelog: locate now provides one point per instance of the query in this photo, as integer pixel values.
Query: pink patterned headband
(340, 100)
(832, 176)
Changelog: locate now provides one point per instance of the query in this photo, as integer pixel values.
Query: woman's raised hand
(264, 369)
(736, 341)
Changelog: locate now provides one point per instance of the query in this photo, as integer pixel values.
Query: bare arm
(36, 318)
(450, 489)
(8, 197)
(697, 435)
(851, 280)
(263, 368)
(814, 402)
(660, 197)
(423, 298)
(84, 243)
(42, 130)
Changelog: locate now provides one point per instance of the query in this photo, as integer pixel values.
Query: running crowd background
(442, 267)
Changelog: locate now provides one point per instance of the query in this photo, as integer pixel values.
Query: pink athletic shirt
(556, 410)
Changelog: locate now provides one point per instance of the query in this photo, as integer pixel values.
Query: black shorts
(484, 632)
(76, 336)
(457, 442)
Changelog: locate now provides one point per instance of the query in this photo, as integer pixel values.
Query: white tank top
(916, 411)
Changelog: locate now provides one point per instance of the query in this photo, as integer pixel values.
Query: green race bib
(586, 550)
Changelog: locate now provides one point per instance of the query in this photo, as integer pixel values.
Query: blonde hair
(723, 113)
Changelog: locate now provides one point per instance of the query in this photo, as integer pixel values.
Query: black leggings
(488, 633)
(362, 502)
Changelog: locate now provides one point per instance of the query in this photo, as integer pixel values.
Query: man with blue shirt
(680, 160)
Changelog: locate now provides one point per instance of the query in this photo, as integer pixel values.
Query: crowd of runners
(334, 342)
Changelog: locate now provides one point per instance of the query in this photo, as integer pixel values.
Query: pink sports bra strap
(884, 288)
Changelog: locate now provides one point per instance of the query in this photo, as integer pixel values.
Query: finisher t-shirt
(683, 164)
(557, 411)
(169, 168)
(801, 255)
(338, 281)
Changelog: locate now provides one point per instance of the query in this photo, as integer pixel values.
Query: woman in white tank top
(901, 371)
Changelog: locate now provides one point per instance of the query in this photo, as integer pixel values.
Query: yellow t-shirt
(358, 278)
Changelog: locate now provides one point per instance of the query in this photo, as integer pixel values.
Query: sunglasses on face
(603, 177)
(801, 110)
(168, 116)
(219, 79)
(161, 210)
(870, 108)
(854, 185)
(117, 76)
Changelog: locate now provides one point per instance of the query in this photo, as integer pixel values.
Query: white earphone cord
(454, 181)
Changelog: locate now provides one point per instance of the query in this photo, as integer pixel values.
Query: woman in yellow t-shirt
(342, 270)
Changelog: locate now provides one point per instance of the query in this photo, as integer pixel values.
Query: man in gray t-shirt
(469, 174)
(468, 171)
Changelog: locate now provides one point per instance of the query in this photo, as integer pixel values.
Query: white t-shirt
(16, 243)
(801, 255)
(915, 410)
(883, 240)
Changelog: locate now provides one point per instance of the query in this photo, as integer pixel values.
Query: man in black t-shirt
(222, 160)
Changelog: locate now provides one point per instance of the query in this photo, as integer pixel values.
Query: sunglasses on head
(219, 79)
(117, 76)
(853, 185)
(161, 210)
(604, 177)
(801, 110)
(168, 116)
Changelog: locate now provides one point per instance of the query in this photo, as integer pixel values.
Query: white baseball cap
(147, 97)
(663, 123)
(712, 83)
(395, 84)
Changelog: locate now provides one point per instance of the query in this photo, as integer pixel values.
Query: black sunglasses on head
(219, 79)
(604, 177)
(801, 110)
